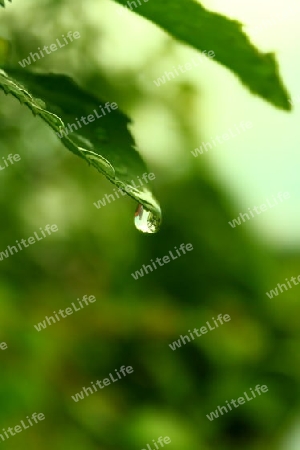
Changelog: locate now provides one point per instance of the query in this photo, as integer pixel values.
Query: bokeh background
(95, 251)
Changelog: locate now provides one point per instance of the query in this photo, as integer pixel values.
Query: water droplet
(146, 221)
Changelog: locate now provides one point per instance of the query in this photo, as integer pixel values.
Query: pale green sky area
(266, 159)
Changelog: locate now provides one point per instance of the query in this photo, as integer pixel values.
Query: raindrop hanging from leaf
(146, 221)
(104, 143)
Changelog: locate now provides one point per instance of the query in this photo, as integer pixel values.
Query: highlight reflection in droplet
(145, 220)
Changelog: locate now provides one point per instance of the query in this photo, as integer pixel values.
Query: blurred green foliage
(133, 322)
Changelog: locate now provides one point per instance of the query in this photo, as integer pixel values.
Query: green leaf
(2, 3)
(191, 23)
(104, 143)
